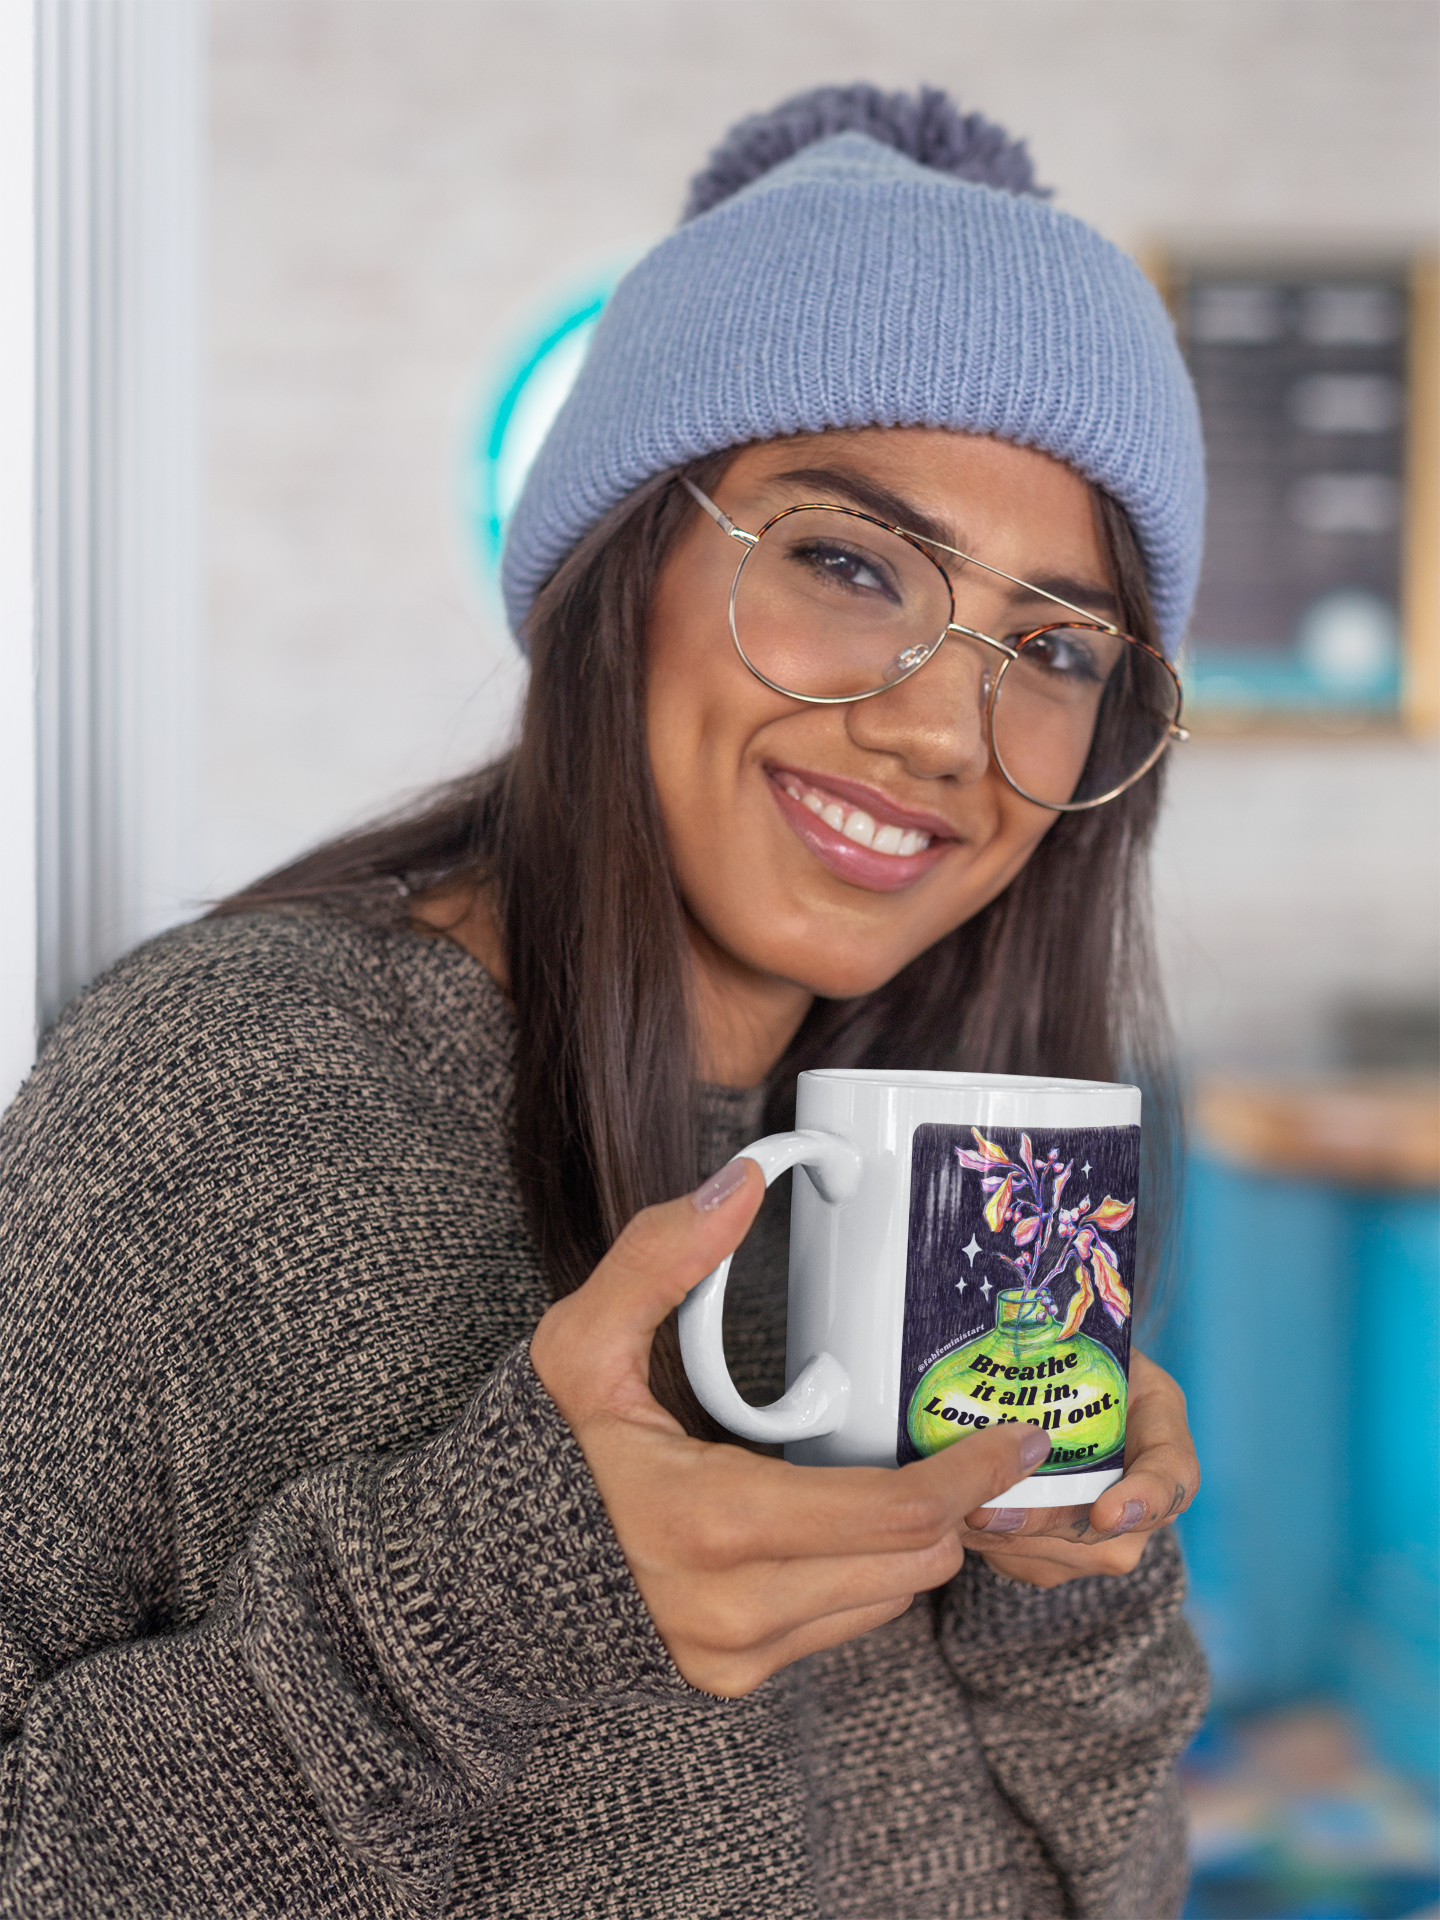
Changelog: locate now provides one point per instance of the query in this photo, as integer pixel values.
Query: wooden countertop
(1374, 1132)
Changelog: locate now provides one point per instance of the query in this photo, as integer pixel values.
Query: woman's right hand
(745, 1562)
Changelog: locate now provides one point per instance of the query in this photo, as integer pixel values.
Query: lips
(857, 832)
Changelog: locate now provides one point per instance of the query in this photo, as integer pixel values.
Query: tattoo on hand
(1177, 1503)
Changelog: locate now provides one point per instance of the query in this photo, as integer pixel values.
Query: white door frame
(17, 544)
(101, 122)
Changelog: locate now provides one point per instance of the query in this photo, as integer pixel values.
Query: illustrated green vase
(1021, 1369)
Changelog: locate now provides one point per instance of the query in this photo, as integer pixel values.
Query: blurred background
(311, 275)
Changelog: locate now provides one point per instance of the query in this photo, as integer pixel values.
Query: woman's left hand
(1047, 1545)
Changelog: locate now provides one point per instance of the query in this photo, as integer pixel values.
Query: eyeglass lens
(828, 605)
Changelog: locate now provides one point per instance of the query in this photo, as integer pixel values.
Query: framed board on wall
(1319, 387)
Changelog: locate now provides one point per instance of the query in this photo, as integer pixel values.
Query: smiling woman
(847, 620)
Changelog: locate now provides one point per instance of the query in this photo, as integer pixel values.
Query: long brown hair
(1055, 976)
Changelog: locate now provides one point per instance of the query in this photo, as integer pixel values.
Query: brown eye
(1069, 653)
(844, 567)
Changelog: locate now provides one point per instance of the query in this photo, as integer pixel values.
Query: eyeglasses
(830, 605)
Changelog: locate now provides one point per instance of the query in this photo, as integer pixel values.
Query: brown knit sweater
(308, 1604)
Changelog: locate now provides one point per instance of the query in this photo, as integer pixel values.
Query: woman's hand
(1045, 1545)
(745, 1563)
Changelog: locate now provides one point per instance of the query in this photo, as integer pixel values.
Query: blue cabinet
(1306, 1333)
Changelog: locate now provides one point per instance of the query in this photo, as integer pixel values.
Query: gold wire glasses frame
(914, 657)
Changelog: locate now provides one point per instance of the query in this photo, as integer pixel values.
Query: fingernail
(1034, 1445)
(719, 1186)
(1132, 1516)
(1005, 1520)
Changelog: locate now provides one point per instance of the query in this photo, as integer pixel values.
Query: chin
(843, 976)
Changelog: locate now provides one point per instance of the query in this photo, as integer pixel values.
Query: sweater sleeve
(297, 1560)
(1082, 1697)
(387, 1648)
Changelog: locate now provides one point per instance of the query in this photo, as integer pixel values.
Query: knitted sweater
(308, 1603)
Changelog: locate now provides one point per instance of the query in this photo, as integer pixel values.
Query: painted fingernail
(1132, 1516)
(1005, 1520)
(719, 1186)
(1034, 1445)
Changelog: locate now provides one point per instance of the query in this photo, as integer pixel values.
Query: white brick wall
(397, 184)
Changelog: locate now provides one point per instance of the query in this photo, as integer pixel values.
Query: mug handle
(815, 1402)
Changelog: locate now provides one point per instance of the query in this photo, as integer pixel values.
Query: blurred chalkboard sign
(1317, 384)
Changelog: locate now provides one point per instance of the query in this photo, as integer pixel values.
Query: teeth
(856, 824)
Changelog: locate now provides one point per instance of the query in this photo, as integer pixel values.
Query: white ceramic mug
(962, 1251)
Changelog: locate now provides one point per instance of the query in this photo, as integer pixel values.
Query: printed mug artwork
(1017, 1288)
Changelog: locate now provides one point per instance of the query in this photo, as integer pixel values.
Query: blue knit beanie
(850, 285)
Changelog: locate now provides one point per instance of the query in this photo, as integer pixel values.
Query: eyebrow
(874, 498)
(1081, 593)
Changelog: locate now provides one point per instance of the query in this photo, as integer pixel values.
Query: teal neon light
(509, 433)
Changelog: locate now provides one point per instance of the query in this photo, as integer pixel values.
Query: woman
(363, 1549)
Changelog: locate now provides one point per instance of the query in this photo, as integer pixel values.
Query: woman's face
(775, 888)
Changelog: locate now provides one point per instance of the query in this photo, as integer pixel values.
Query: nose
(933, 722)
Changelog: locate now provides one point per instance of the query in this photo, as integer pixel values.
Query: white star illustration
(959, 1286)
(971, 1251)
(1086, 1170)
(985, 1289)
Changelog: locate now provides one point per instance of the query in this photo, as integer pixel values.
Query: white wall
(398, 184)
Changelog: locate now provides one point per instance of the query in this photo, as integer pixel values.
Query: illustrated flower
(1019, 1199)
(996, 1205)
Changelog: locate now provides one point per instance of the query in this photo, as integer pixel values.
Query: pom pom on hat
(926, 126)
(846, 282)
